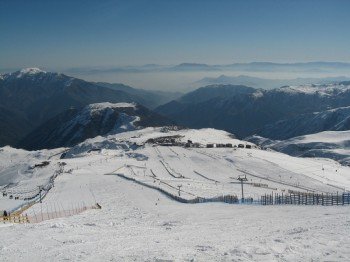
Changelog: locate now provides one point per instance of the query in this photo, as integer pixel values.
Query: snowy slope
(86, 115)
(139, 223)
(328, 144)
(202, 172)
(20, 178)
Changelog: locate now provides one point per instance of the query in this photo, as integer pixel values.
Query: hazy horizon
(97, 40)
(166, 78)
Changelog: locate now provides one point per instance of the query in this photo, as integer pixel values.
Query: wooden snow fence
(59, 213)
(306, 199)
(19, 218)
(16, 218)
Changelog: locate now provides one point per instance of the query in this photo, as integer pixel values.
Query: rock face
(246, 111)
(74, 126)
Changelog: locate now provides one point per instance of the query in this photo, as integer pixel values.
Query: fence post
(337, 198)
(272, 198)
(322, 200)
(282, 198)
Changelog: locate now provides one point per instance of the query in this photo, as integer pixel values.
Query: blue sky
(62, 34)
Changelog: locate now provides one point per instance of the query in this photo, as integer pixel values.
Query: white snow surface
(124, 123)
(342, 138)
(84, 116)
(104, 105)
(322, 90)
(30, 71)
(328, 144)
(137, 223)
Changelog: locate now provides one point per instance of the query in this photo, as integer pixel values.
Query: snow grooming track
(153, 176)
(170, 173)
(166, 165)
(173, 151)
(205, 177)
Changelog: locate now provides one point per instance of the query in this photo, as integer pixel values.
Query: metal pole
(242, 191)
(242, 179)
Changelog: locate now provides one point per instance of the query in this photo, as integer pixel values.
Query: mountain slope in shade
(74, 125)
(11, 130)
(206, 93)
(337, 119)
(149, 98)
(246, 113)
(33, 96)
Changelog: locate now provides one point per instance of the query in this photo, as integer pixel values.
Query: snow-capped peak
(30, 71)
(324, 90)
(101, 106)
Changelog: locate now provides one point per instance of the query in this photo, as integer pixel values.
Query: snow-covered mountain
(32, 96)
(76, 125)
(328, 144)
(248, 113)
(264, 83)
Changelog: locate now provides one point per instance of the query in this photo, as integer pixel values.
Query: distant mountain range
(311, 67)
(41, 109)
(30, 97)
(74, 126)
(264, 83)
(268, 66)
(246, 111)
